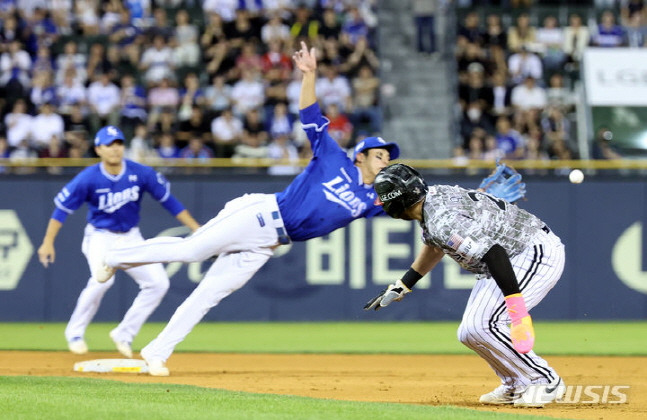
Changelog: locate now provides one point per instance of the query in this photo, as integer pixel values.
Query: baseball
(576, 176)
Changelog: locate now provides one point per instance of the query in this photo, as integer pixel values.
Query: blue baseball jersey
(114, 200)
(329, 193)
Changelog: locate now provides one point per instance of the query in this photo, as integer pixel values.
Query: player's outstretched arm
(46, 251)
(306, 61)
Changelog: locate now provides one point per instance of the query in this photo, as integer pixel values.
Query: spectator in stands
(133, 105)
(62, 15)
(111, 16)
(71, 60)
(275, 30)
(87, 15)
(340, 127)
(474, 88)
(555, 126)
(628, 8)
(160, 25)
(354, 25)
(333, 88)
(213, 34)
(187, 50)
(248, 93)
(18, 124)
(475, 147)
(190, 94)
(528, 95)
(166, 147)
(196, 126)
(249, 59)
(218, 95)
(491, 150)
(534, 146)
(162, 96)
(472, 53)
(603, 147)
(54, 149)
(365, 111)
(224, 8)
(279, 122)
(276, 58)
(576, 39)
(15, 65)
(43, 29)
(304, 25)
(550, 39)
(523, 34)
(501, 95)
(77, 128)
(157, 61)
(635, 30)
(43, 60)
(558, 95)
(43, 90)
(253, 142)
(361, 56)
(469, 32)
(282, 149)
(423, 14)
(140, 12)
(166, 122)
(23, 153)
(330, 27)
(141, 145)
(104, 98)
(609, 34)
(221, 59)
(127, 37)
(196, 150)
(508, 139)
(227, 131)
(46, 127)
(292, 93)
(242, 31)
(523, 64)
(69, 93)
(97, 64)
(494, 36)
(474, 119)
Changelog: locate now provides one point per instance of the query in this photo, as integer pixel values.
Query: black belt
(545, 229)
(284, 239)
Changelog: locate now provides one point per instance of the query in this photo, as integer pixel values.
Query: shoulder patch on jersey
(455, 241)
(433, 190)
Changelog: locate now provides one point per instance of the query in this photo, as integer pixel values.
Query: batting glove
(394, 293)
(521, 331)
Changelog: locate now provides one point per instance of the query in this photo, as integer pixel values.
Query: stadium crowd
(183, 79)
(517, 75)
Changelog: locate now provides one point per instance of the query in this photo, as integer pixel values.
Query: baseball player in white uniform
(113, 190)
(517, 259)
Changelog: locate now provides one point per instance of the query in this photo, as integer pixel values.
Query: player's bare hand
(46, 254)
(304, 59)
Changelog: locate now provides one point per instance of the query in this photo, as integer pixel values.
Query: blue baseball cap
(375, 143)
(107, 135)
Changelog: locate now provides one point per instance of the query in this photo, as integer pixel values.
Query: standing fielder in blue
(113, 190)
(331, 192)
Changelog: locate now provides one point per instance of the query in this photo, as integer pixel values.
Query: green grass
(64, 398)
(75, 398)
(553, 338)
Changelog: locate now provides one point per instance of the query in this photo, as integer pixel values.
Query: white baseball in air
(576, 176)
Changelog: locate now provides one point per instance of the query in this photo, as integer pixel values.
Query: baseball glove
(504, 182)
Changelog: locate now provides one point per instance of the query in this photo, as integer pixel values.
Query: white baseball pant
(243, 235)
(485, 324)
(152, 280)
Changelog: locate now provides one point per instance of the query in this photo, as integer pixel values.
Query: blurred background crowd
(192, 79)
(183, 79)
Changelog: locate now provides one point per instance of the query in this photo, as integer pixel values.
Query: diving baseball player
(516, 257)
(331, 192)
(113, 190)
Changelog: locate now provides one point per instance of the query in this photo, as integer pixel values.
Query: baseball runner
(517, 260)
(113, 190)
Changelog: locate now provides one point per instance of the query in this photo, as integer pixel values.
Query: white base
(112, 365)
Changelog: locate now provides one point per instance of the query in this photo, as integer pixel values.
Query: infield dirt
(412, 379)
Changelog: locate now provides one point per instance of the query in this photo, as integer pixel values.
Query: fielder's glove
(394, 293)
(504, 183)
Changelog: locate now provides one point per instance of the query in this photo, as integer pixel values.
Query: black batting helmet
(399, 187)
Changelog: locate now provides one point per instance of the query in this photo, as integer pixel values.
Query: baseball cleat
(157, 368)
(501, 395)
(541, 394)
(77, 345)
(123, 347)
(104, 272)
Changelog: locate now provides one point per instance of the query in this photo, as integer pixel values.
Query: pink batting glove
(521, 331)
